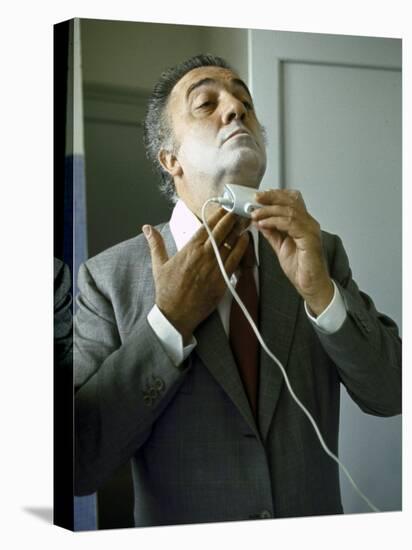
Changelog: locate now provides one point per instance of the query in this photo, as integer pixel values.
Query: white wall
(231, 44)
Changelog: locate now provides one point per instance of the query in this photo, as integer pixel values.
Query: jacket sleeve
(366, 350)
(121, 386)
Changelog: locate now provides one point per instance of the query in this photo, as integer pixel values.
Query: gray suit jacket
(197, 453)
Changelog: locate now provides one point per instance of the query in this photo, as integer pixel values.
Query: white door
(331, 106)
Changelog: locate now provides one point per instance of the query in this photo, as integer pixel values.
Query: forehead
(221, 76)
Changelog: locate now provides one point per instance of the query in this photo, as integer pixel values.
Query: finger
(226, 249)
(201, 234)
(236, 254)
(275, 211)
(242, 224)
(295, 228)
(157, 247)
(274, 237)
(285, 197)
(229, 242)
(222, 229)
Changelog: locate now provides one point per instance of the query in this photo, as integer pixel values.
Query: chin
(247, 169)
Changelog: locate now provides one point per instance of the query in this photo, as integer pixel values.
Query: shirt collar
(184, 224)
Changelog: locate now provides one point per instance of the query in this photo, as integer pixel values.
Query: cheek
(196, 147)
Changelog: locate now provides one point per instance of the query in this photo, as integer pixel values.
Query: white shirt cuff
(169, 337)
(333, 317)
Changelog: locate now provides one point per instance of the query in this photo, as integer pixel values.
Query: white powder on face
(237, 160)
(209, 162)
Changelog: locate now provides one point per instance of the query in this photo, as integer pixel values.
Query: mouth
(239, 132)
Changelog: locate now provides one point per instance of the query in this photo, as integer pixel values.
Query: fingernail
(147, 230)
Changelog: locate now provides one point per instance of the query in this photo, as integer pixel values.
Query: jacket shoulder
(118, 266)
(330, 241)
(121, 255)
(332, 245)
(336, 258)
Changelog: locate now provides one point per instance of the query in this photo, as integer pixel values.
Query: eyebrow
(209, 80)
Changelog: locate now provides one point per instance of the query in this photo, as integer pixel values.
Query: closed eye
(205, 104)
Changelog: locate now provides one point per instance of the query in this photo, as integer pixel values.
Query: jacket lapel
(279, 303)
(214, 351)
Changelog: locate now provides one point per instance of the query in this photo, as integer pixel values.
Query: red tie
(243, 341)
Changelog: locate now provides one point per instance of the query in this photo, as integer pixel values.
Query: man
(157, 383)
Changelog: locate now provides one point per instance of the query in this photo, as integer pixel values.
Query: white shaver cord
(276, 360)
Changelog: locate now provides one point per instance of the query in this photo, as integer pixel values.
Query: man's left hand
(295, 236)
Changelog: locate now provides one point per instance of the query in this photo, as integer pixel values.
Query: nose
(233, 109)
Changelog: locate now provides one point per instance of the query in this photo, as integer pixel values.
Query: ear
(170, 163)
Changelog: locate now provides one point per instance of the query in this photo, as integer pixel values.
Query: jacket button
(147, 400)
(153, 393)
(265, 514)
(159, 384)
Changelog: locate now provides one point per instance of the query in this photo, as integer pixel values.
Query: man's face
(219, 139)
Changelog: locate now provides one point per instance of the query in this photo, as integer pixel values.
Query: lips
(239, 131)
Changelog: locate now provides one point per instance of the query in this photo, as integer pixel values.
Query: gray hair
(157, 132)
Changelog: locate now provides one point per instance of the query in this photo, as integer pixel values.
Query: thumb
(157, 247)
(274, 237)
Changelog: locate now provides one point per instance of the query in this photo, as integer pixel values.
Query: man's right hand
(189, 285)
